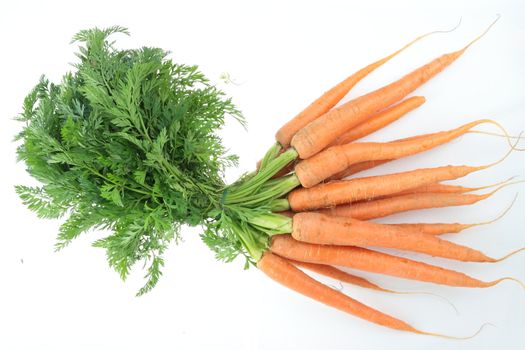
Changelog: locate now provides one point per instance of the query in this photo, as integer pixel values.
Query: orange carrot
(357, 168)
(290, 276)
(384, 207)
(318, 228)
(435, 228)
(440, 228)
(373, 261)
(378, 208)
(446, 188)
(362, 166)
(339, 275)
(347, 191)
(315, 136)
(331, 97)
(338, 158)
(380, 120)
(345, 277)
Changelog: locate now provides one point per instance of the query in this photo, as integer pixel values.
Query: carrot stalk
(315, 136)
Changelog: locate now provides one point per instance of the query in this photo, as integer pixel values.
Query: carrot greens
(128, 142)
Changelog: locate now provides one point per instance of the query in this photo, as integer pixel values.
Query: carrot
(345, 277)
(357, 168)
(378, 208)
(380, 120)
(331, 97)
(435, 228)
(339, 275)
(338, 158)
(385, 117)
(347, 191)
(440, 228)
(362, 166)
(373, 261)
(393, 205)
(446, 188)
(290, 276)
(315, 136)
(322, 229)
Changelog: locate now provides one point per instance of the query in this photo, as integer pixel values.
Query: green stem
(270, 155)
(248, 240)
(278, 205)
(238, 192)
(96, 173)
(279, 189)
(272, 224)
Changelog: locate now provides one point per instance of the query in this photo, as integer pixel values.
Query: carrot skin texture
(314, 137)
(379, 208)
(318, 228)
(336, 159)
(337, 274)
(371, 261)
(362, 166)
(435, 228)
(346, 191)
(439, 188)
(357, 168)
(380, 120)
(290, 276)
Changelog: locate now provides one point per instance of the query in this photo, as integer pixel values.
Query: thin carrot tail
(493, 283)
(423, 293)
(497, 189)
(505, 156)
(510, 254)
(472, 189)
(498, 16)
(506, 135)
(500, 216)
(455, 337)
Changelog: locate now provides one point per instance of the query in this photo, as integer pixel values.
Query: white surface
(284, 55)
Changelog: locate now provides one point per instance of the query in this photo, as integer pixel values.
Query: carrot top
(128, 142)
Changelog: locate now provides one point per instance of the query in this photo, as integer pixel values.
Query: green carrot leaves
(128, 143)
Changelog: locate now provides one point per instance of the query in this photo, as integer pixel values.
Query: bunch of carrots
(327, 221)
(300, 209)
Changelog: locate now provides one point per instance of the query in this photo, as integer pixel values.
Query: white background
(282, 56)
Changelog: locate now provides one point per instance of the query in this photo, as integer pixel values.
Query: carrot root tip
(456, 337)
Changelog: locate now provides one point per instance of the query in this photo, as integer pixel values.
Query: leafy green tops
(126, 143)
